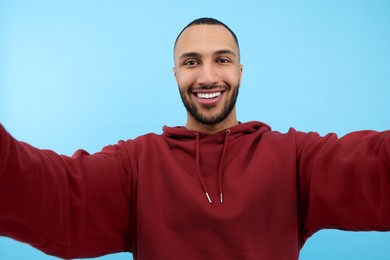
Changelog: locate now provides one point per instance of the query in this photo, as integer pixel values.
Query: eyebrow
(189, 54)
(226, 51)
(196, 54)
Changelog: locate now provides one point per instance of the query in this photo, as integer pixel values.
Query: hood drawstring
(220, 184)
(198, 170)
(220, 173)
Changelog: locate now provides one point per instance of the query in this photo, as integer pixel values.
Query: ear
(240, 71)
(174, 71)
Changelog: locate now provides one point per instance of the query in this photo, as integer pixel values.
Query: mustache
(204, 87)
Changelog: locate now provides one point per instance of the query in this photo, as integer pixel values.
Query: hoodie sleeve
(345, 182)
(76, 206)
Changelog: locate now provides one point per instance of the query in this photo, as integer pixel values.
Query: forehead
(203, 38)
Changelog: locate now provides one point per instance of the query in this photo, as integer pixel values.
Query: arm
(345, 182)
(75, 206)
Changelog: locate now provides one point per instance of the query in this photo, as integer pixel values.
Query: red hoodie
(148, 195)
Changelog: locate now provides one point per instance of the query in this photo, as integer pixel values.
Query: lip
(209, 102)
(208, 90)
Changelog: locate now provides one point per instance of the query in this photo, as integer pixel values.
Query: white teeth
(208, 95)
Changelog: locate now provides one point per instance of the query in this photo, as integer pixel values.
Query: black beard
(210, 120)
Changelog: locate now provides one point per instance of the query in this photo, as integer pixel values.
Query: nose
(208, 75)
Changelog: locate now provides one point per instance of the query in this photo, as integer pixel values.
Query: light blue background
(84, 74)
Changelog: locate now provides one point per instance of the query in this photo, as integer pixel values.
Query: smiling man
(208, 72)
(212, 189)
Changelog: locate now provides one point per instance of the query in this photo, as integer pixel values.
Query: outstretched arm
(78, 206)
(345, 182)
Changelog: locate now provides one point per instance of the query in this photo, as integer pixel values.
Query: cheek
(232, 77)
(185, 80)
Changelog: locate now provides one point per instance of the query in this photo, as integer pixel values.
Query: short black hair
(208, 21)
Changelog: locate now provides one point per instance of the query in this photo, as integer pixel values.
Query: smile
(208, 95)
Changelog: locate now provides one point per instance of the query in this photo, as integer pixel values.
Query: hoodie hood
(203, 142)
(235, 132)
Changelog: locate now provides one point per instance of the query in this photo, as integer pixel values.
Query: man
(214, 189)
(208, 72)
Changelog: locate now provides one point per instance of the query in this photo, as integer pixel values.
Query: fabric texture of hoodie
(244, 193)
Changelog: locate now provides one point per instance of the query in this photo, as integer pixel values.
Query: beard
(212, 120)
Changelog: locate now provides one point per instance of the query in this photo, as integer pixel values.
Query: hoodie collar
(236, 131)
(222, 136)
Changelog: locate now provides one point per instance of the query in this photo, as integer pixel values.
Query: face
(208, 73)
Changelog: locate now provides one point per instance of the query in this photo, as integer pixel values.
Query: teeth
(208, 95)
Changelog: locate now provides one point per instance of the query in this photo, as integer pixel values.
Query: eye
(191, 63)
(223, 60)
